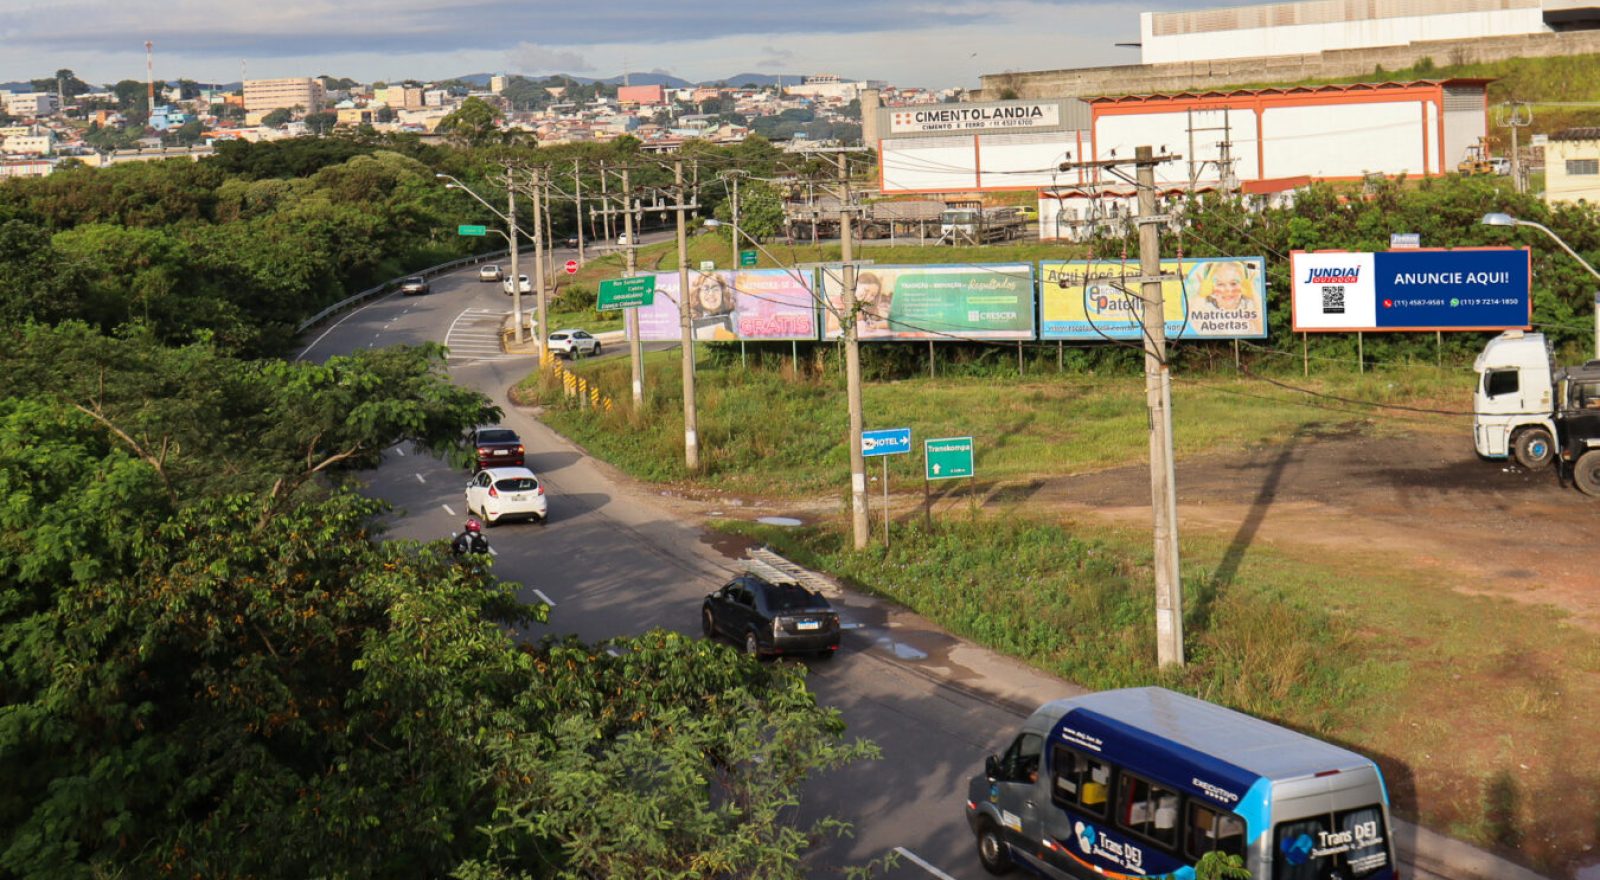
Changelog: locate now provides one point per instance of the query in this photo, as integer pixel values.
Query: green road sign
(465, 229)
(627, 293)
(747, 258)
(948, 457)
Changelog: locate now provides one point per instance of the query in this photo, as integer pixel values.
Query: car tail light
(483, 452)
(539, 491)
(519, 448)
(493, 492)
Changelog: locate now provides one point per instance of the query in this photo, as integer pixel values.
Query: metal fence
(389, 285)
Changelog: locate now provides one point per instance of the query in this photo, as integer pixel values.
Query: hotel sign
(973, 117)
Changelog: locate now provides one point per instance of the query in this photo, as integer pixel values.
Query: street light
(1501, 219)
(510, 218)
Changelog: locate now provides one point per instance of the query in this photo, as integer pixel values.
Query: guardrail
(386, 286)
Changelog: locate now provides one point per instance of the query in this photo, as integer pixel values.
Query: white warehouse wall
(949, 164)
(1309, 39)
(1123, 134)
(1344, 140)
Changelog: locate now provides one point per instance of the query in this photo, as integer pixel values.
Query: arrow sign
(627, 293)
(889, 441)
(948, 458)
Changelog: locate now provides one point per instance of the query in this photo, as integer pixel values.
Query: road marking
(543, 598)
(915, 859)
(420, 479)
(493, 552)
(313, 343)
(402, 452)
(448, 509)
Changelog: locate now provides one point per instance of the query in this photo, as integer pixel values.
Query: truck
(965, 224)
(1528, 409)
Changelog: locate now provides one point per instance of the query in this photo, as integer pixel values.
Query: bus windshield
(1349, 844)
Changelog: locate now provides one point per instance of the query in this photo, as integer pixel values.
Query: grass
(1477, 709)
(779, 431)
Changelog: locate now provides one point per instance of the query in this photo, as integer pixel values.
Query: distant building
(1572, 166)
(32, 168)
(497, 83)
(828, 85)
(643, 96)
(266, 95)
(436, 97)
(400, 97)
(39, 143)
(31, 105)
(356, 116)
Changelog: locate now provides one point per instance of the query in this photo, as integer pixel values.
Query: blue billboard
(1478, 289)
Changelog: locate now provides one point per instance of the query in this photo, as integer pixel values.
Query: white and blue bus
(1143, 782)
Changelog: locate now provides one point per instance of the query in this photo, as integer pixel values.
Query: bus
(1144, 782)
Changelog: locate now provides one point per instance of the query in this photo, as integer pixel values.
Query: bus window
(1352, 844)
(1148, 809)
(1209, 830)
(1079, 781)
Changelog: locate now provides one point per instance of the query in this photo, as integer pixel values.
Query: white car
(570, 343)
(507, 493)
(524, 283)
(489, 272)
(622, 240)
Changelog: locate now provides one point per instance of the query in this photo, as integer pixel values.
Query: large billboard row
(1086, 300)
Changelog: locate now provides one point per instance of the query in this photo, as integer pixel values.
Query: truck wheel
(1533, 448)
(992, 850)
(1586, 473)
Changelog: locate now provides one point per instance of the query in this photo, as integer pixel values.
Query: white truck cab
(1513, 405)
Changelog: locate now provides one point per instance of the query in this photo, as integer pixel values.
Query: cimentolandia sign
(957, 117)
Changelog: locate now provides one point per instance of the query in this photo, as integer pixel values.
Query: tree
(277, 118)
(476, 123)
(188, 134)
(760, 210)
(322, 122)
(66, 81)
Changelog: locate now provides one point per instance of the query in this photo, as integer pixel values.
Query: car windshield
(558, 336)
(516, 484)
(413, 280)
(497, 435)
(792, 597)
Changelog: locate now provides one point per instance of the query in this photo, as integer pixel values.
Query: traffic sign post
(627, 293)
(747, 258)
(572, 267)
(466, 229)
(884, 443)
(946, 458)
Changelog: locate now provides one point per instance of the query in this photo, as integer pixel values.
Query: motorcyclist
(470, 540)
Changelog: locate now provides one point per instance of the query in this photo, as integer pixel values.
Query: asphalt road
(615, 560)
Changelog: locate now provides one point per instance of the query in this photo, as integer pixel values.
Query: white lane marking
(448, 509)
(915, 859)
(401, 451)
(543, 598)
(614, 652)
(313, 343)
(452, 327)
(420, 479)
(493, 552)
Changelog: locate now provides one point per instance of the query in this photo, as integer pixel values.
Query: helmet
(472, 525)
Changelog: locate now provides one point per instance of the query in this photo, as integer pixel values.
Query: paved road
(615, 560)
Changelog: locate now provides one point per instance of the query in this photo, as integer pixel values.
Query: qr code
(1333, 299)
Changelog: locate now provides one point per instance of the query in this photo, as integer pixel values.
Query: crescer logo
(1086, 836)
(1297, 851)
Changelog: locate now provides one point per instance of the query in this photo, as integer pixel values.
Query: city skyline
(900, 42)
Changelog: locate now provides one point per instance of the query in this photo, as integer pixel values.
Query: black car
(496, 447)
(414, 285)
(770, 618)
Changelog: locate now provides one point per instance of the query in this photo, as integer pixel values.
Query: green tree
(760, 210)
(321, 122)
(476, 123)
(277, 118)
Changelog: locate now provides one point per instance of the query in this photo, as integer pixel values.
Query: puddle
(780, 521)
(901, 650)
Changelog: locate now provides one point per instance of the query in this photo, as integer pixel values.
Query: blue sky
(906, 42)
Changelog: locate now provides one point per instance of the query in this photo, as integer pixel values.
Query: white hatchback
(573, 343)
(507, 493)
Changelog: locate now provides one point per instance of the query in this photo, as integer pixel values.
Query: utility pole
(1158, 399)
(577, 211)
(635, 344)
(541, 333)
(735, 225)
(605, 195)
(691, 438)
(848, 325)
(516, 279)
(549, 231)
(1519, 114)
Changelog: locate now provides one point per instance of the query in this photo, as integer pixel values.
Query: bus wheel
(1534, 448)
(1586, 473)
(992, 850)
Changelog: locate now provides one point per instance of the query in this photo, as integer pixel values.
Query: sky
(928, 43)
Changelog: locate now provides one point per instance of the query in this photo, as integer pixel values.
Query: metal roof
(1332, 88)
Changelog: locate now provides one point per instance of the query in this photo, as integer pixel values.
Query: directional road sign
(572, 267)
(747, 258)
(889, 441)
(627, 293)
(465, 229)
(948, 457)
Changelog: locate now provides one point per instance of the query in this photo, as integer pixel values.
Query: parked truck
(1536, 413)
(979, 225)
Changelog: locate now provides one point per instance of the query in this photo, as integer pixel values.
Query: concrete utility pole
(734, 226)
(516, 279)
(1158, 398)
(577, 210)
(691, 437)
(635, 344)
(1519, 114)
(848, 325)
(541, 333)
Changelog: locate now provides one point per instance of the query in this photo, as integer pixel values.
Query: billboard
(1210, 298)
(974, 117)
(1477, 289)
(730, 306)
(936, 302)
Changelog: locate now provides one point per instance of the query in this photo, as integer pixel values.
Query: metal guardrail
(371, 292)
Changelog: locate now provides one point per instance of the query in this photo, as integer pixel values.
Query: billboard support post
(1361, 352)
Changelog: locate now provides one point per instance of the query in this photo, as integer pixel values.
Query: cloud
(773, 56)
(533, 58)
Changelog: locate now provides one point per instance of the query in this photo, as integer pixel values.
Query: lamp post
(1499, 219)
(510, 219)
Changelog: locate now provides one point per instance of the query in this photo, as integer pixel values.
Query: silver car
(489, 272)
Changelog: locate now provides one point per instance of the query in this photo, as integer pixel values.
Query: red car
(497, 447)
